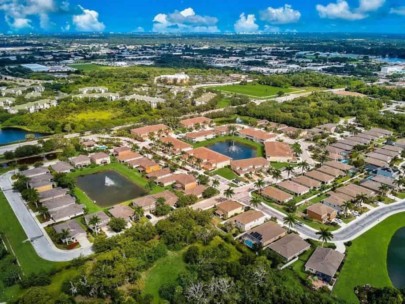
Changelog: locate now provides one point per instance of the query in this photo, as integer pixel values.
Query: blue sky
(191, 16)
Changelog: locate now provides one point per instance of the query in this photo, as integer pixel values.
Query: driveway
(39, 239)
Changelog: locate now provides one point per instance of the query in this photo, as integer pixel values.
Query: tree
(117, 224)
(43, 211)
(255, 201)
(259, 184)
(21, 183)
(203, 179)
(215, 183)
(325, 235)
(64, 235)
(303, 165)
(150, 185)
(346, 206)
(93, 222)
(210, 192)
(65, 181)
(296, 147)
(289, 169)
(31, 196)
(232, 130)
(276, 174)
(139, 212)
(290, 220)
(37, 295)
(229, 193)
(360, 199)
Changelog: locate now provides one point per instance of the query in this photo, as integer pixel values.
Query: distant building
(175, 79)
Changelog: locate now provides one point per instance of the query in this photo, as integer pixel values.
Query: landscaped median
(366, 260)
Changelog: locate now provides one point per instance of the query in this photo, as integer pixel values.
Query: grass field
(131, 174)
(259, 147)
(93, 115)
(164, 271)
(223, 103)
(14, 237)
(366, 260)
(255, 90)
(88, 67)
(226, 173)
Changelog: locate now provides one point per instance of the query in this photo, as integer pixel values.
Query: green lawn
(366, 260)
(223, 103)
(259, 147)
(131, 174)
(14, 236)
(164, 271)
(281, 165)
(226, 173)
(88, 67)
(255, 90)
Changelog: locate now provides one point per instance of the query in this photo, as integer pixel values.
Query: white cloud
(338, 10)
(342, 10)
(398, 10)
(246, 24)
(184, 21)
(88, 21)
(370, 5)
(271, 29)
(282, 15)
(18, 13)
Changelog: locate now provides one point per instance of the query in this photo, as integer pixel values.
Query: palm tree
(255, 201)
(325, 235)
(259, 184)
(346, 206)
(64, 235)
(383, 190)
(290, 220)
(199, 162)
(215, 183)
(303, 165)
(360, 199)
(139, 212)
(93, 222)
(289, 169)
(231, 130)
(276, 174)
(43, 211)
(229, 193)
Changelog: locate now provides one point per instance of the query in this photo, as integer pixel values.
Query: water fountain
(108, 182)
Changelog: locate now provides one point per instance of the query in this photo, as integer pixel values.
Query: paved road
(35, 233)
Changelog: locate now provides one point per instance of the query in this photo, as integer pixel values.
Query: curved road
(39, 239)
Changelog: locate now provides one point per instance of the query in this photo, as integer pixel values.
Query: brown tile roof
(342, 146)
(197, 191)
(144, 131)
(386, 152)
(268, 231)
(376, 162)
(334, 150)
(320, 209)
(381, 131)
(337, 198)
(325, 178)
(353, 190)
(127, 156)
(170, 198)
(159, 174)
(372, 185)
(248, 217)
(392, 148)
(61, 167)
(208, 155)
(198, 134)
(228, 206)
(294, 188)
(142, 162)
(307, 182)
(276, 194)
(180, 178)
(289, 246)
(80, 159)
(190, 122)
(99, 155)
(384, 180)
(339, 165)
(257, 134)
(249, 162)
(378, 156)
(278, 149)
(178, 145)
(331, 171)
(325, 260)
(119, 150)
(121, 211)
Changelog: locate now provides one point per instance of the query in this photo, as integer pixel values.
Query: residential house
(321, 213)
(353, 190)
(103, 218)
(250, 165)
(80, 161)
(320, 176)
(176, 146)
(144, 165)
(194, 123)
(88, 145)
(122, 211)
(74, 229)
(148, 203)
(263, 235)
(128, 156)
(256, 135)
(278, 152)
(247, 220)
(67, 213)
(52, 194)
(62, 167)
(180, 181)
(290, 246)
(307, 182)
(156, 175)
(59, 203)
(277, 195)
(324, 263)
(209, 159)
(337, 200)
(200, 135)
(294, 188)
(331, 171)
(228, 209)
(143, 133)
(100, 158)
(35, 172)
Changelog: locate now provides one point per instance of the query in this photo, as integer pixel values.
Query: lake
(109, 188)
(10, 135)
(396, 259)
(234, 150)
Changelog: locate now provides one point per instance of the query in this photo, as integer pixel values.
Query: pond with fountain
(234, 149)
(108, 188)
